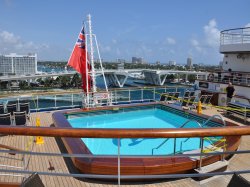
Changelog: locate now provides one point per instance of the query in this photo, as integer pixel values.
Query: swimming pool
(148, 152)
(142, 118)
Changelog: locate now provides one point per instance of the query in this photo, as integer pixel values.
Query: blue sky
(153, 29)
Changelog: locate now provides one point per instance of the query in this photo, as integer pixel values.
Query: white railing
(235, 36)
(74, 100)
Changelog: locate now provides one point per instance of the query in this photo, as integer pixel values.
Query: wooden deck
(57, 164)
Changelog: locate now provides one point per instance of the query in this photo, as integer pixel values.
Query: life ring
(223, 100)
(210, 77)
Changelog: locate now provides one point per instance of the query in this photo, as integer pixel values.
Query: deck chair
(187, 94)
(191, 103)
(163, 96)
(207, 101)
(5, 119)
(170, 96)
(191, 94)
(203, 98)
(33, 181)
(11, 108)
(1, 109)
(175, 97)
(184, 103)
(25, 107)
(20, 118)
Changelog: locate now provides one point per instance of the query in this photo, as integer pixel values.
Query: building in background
(171, 63)
(189, 63)
(137, 60)
(14, 64)
(158, 63)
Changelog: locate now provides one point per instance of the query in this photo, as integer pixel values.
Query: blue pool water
(146, 118)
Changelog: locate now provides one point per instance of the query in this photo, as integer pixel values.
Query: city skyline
(157, 31)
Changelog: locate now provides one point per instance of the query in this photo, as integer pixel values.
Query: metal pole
(55, 101)
(142, 94)
(202, 141)
(129, 95)
(72, 100)
(174, 145)
(91, 53)
(154, 94)
(119, 162)
(37, 103)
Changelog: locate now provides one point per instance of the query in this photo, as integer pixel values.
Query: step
(213, 167)
(210, 149)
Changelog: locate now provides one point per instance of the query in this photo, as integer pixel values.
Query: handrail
(168, 138)
(214, 116)
(125, 133)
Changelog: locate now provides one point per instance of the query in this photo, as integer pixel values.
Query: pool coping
(138, 165)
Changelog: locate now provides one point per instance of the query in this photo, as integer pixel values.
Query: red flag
(78, 61)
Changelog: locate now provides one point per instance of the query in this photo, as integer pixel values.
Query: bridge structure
(115, 77)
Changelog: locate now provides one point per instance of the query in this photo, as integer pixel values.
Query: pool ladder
(209, 119)
(188, 121)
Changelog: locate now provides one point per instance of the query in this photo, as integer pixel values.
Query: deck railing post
(201, 145)
(115, 96)
(129, 96)
(119, 163)
(55, 101)
(142, 94)
(154, 94)
(37, 106)
(18, 105)
(174, 146)
(72, 100)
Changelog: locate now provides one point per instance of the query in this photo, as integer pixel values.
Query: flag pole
(91, 53)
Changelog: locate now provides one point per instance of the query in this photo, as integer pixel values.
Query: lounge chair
(191, 103)
(184, 103)
(163, 96)
(5, 119)
(170, 96)
(33, 181)
(191, 94)
(207, 101)
(20, 118)
(25, 107)
(174, 98)
(11, 108)
(186, 94)
(203, 98)
(1, 109)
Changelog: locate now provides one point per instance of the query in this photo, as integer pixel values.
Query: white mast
(93, 75)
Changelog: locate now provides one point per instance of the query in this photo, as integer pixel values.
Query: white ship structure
(235, 68)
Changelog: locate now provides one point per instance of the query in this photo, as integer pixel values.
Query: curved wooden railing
(125, 133)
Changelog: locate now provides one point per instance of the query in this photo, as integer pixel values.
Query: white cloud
(9, 42)
(171, 41)
(212, 34)
(195, 43)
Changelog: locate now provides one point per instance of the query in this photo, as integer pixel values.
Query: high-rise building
(171, 63)
(18, 64)
(137, 60)
(189, 62)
